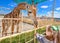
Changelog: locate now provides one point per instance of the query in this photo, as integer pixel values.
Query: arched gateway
(6, 23)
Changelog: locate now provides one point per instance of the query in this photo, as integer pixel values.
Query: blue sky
(43, 9)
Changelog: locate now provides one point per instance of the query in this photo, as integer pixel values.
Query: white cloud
(44, 6)
(58, 8)
(4, 8)
(8, 8)
(12, 4)
(51, 12)
(56, 14)
(2, 12)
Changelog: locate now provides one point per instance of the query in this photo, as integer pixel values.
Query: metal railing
(23, 37)
(20, 37)
(15, 21)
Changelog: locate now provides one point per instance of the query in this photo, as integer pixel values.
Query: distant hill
(1, 14)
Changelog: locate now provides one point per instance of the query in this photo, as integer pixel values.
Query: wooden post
(12, 25)
(3, 27)
(7, 25)
(35, 21)
(18, 20)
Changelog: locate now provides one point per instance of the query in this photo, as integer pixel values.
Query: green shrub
(7, 40)
(41, 30)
